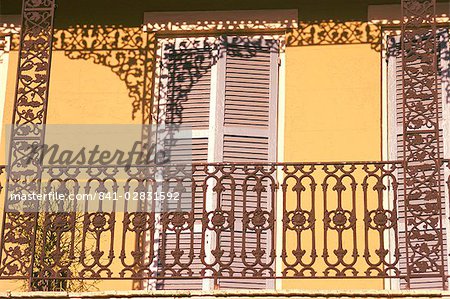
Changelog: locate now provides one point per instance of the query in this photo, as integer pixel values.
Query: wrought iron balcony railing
(231, 222)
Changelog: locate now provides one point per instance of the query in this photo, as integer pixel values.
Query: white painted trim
(272, 143)
(392, 127)
(4, 62)
(273, 105)
(384, 104)
(389, 139)
(280, 158)
(218, 106)
(384, 138)
(150, 284)
(160, 90)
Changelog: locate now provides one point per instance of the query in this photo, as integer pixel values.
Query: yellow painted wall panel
(333, 113)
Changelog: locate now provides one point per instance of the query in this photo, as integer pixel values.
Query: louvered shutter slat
(248, 122)
(187, 103)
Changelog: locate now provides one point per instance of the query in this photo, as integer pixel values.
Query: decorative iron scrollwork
(421, 142)
(17, 248)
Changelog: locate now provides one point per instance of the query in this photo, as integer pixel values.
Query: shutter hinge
(279, 61)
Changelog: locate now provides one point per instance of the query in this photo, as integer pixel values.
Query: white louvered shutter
(395, 144)
(229, 98)
(247, 117)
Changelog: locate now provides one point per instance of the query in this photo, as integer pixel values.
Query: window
(225, 88)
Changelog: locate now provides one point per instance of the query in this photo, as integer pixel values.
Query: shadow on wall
(131, 53)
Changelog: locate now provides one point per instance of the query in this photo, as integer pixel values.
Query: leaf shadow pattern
(334, 32)
(187, 62)
(393, 49)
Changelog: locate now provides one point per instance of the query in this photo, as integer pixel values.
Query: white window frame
(215, 132)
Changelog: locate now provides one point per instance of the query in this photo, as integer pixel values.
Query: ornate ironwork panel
(335, 33)
(421, 143)
(340, 220)
(352, 207)
(29, 116)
